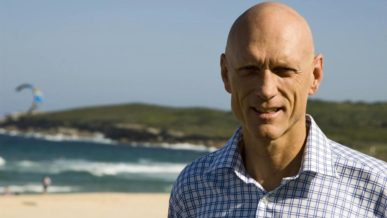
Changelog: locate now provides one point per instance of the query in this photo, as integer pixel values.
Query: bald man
(278, 163)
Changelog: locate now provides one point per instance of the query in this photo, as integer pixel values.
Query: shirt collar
(229, 156)
(317, 155)
(318, 151)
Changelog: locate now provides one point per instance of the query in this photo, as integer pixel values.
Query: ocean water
(90, 166)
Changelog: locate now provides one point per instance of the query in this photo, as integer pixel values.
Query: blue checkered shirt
(333, 181)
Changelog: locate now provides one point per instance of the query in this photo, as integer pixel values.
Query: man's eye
(249, 70)
(285, 71)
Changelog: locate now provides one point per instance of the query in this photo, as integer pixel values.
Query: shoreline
(99, 138)
(109, 132)
(85, 205)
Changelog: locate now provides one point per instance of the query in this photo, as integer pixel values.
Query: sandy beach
(95, 205)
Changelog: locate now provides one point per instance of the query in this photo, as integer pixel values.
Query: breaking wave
(37, 188)
(96, 138)
(98, 169)
(2, 161)
(100, 138)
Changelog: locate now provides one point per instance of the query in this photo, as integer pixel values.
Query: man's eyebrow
(285, 63)
(287, 66)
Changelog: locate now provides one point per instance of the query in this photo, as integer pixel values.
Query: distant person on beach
(278, 163)
(46, 182)
(7, 191)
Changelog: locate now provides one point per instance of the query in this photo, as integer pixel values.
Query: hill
(361, 125)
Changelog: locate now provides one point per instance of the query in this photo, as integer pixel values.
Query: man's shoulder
(196, 169)
(190, 183)
(350, 161)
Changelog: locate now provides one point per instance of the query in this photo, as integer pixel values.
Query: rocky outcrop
(122, 132)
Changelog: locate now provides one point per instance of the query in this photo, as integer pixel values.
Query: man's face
(269, 78)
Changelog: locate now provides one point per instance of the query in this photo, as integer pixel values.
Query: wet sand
(93, 205)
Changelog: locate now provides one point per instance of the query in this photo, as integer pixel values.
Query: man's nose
(267, 87)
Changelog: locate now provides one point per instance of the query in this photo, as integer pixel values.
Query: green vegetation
(352, 122)
(190, 121)
(360, 125)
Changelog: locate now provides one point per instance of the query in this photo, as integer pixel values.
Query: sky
(92, 52)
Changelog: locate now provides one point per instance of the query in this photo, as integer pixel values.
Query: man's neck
(269, 161)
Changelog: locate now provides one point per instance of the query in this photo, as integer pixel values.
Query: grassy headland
(362, 126)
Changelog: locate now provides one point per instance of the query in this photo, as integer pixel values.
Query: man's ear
(224, 72)
(318, 74)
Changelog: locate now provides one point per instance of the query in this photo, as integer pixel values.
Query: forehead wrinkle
(253, 56)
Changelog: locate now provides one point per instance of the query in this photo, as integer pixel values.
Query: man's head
(269, 68)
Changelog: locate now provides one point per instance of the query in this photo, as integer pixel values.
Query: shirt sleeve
(174, 209)
(381, 209)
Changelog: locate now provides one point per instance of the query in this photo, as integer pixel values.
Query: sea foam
(96, 138)
(37, 188)
(98, 169)
(188, 146)
(100, 138)
(177, 146)
(2, 161)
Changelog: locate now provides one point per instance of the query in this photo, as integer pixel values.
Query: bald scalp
(268, 20)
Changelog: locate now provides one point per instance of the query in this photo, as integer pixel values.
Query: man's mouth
(267, 113)
(266, 110)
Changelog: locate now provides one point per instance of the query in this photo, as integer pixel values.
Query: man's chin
(265, 132)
